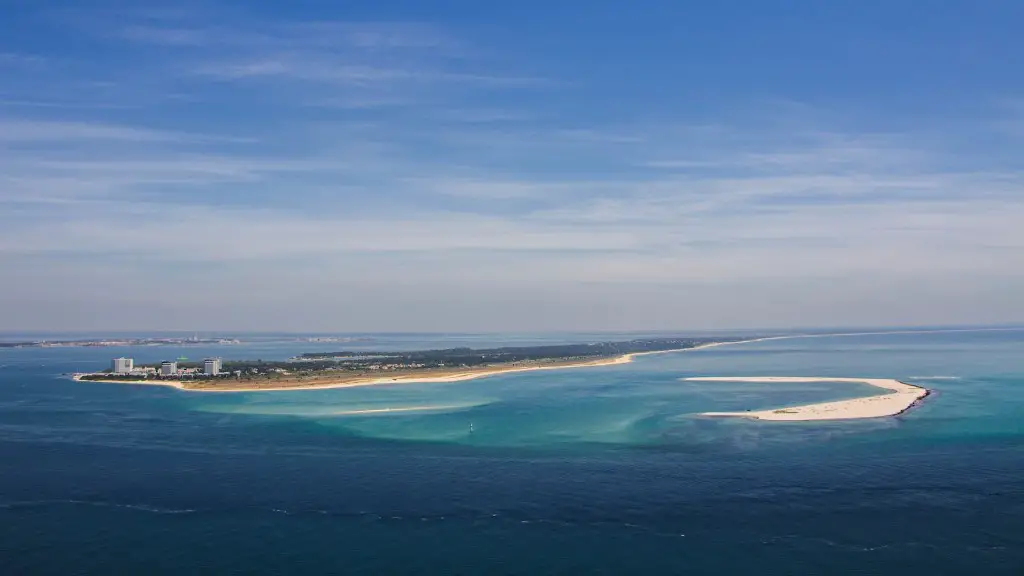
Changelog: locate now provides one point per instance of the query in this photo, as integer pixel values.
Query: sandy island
(350, 381)
(900, 398)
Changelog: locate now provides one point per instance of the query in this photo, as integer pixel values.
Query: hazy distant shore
(901, 397)
(112, 343)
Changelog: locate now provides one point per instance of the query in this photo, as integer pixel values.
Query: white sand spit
(900, 398)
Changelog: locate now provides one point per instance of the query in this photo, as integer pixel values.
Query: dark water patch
(309, 542)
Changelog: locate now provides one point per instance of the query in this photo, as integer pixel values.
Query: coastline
(454, 376)
(357, 381)
(900, 398)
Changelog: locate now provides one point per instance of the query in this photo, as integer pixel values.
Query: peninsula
(364, 368)
(899, 398)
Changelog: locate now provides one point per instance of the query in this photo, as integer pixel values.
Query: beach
(900, 398)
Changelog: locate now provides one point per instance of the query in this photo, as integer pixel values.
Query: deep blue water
(596, 470)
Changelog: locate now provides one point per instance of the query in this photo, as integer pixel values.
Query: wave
(934, 378)
(321, 411)
(96, 503)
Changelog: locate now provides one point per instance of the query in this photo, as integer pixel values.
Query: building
(168, 368)
(211, 366)
(122, 365)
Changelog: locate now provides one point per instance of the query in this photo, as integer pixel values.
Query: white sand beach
(900, 397)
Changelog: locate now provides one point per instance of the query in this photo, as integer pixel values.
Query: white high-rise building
(211, 366)
(122, 365)
(168, 368)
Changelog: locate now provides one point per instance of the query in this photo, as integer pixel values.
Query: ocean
(600, 470)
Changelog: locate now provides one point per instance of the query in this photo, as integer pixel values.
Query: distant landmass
(110, 342)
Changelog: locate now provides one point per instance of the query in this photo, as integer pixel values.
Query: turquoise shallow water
(647, 402)
(597, 470)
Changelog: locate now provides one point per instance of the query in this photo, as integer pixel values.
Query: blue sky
(429, 165)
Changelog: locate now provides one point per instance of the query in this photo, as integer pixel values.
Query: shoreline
(358, 381)
(454, 376)
(900, 398)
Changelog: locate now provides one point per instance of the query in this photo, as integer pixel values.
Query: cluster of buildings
(126, 367)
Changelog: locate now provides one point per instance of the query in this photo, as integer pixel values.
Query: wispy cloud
(348, 71)
(170, 36)
(321, 35)
(12, 59)
(853, 215)
(23, 130)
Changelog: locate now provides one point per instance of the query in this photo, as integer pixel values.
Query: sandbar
(900, 398)
(377, 411)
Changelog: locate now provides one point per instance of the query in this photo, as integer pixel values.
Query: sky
(437, 165)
